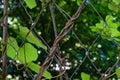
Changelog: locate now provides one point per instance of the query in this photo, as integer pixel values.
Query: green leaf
(111, 29)
(30, 3)
(98, 27)
(117, 71)
(114, 5)
(62, 3)
(35, 67)
(27, 53)
(78, 2)
(116, 1)
(73, 0)
(85, 76)
(75, 79)
(31, 37)
(47, 75)
(12, 47)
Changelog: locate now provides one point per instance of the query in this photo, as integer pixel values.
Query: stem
(4, 46)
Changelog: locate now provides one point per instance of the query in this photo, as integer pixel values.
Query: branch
(58, 48)
(4, 41)
(53, 19)
(62, 34)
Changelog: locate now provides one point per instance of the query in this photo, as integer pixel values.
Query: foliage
(85, 76)
(91, 47)
(118, 72)
(29, 4)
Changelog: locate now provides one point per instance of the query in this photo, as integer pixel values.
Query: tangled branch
(62, 34)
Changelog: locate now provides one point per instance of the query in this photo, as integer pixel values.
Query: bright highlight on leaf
(85, 76)
(31, 3)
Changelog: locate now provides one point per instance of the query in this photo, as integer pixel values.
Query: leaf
(98, 27)
(35, 67)
(114, 5)
(85, 76)
(117, 71)
(31, 38)
(12, 47)
(116, 1)
(62, 3)
(30, 3)
(73, 0)
(75, 79)
(27, 53)
(111, 29)
(78, 2)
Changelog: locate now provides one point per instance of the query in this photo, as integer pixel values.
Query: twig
(86, 54)
(55, 32)
(4, 42)
(96, 11)
(114, 65)
(62, 34)
(95, 66)
(62, 11)
(79, 40)
(77, 67)
(53, 19)
(26, 11)
(34, 23)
